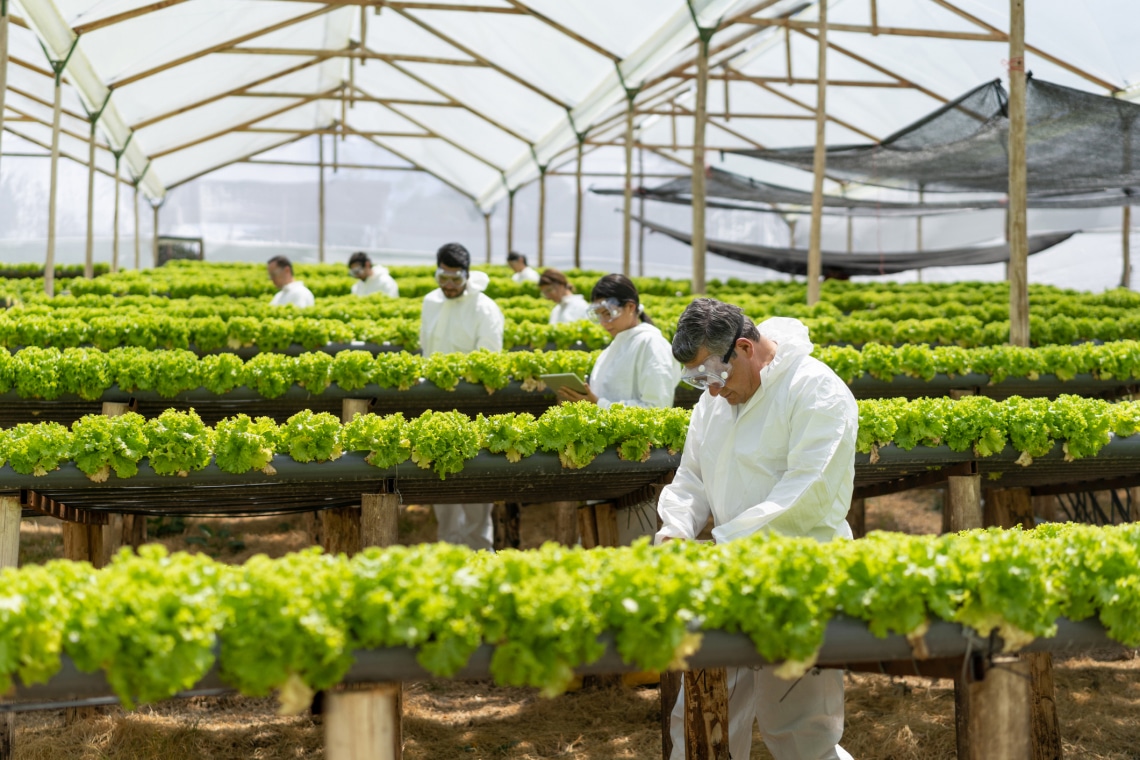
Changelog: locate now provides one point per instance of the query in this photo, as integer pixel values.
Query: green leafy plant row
(48, 373)
(156, 623)
(213, 333)
(22, 271)
(178, 442)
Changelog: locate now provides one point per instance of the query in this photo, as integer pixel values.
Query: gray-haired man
(771, 447)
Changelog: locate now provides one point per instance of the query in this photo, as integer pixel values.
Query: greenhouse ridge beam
(1031, 48)
(792, 24)
(82, 29)
(736, 76)
(217, 48)
(566, 31)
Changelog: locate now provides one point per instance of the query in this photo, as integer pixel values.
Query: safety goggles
(713, 370)
(604, 311)
(356, 271)
(443, 277)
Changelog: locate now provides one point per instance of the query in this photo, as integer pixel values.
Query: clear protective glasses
(713, 370)
(443, 277)
(356, 270)
(604, 311)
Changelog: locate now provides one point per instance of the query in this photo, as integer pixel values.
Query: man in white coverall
(289, 291)
(458, 318)
(770, 448)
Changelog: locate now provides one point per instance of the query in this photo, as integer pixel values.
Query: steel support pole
(89, 248)
(321, 198)
(1018, 224)
(814, 262)
(53, 189)
(700, 119)
(578, 207)
(627, 207)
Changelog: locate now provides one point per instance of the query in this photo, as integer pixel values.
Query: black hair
(516, 256)
(621, 289)
(361, 258)
(453, 255)
(281, 262)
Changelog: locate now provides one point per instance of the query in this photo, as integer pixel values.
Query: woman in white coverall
(458, 317)
(770, 448)
(637, 368)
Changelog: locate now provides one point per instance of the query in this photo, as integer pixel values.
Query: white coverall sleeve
(684, 506)
(657, 376)
(815, 473)
(489, 333)
(424, 348)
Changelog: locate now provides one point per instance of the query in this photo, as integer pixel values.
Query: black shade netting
(1077, 142)
(843, 265)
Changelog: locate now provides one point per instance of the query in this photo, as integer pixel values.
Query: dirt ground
(887, 718)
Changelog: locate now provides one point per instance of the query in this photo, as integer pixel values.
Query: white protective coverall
(378, 282)
(572, 308)
(526, 274)
(462, 325)
(294, 293)
(636, 369)
(782, 462)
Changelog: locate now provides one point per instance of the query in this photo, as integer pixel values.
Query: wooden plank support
(998, 720)
(587, 526)
(10, 512)
(37, 502)
(364, 724)
(706, 714)
(857, 517)
(700, 120)
(605, 515)
(963, 509)
(819, 166)
(669, 688)
(1018, 223)
(339, 529)
(1006, 508)
(506, 516)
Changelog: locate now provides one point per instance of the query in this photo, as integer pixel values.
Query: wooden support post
(706, 714)
(700, 119)
(486, 233)
(963, 503)
(641, 212)
(9, 531)
(587, 527)
(578, 206)
(115, 220)
(627, 206)
(3, 72)
(1126, 246)
(1018, 225)
(857, 517)
(113, 538)
(1006, 508)
(819, 164)
(138, 232)
(511, 219)
(321, 198)
(9, 557)
(89, 249)
(53, 189)
(154, 238)
(918, 229)
(506, 517)
(669, 687)
(339, 529)
(999, 716)
(379, 519)
(605, 515)
(134, 531)
(542, 216)
(364, 724)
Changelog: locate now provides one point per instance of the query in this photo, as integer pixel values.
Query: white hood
(477, 281)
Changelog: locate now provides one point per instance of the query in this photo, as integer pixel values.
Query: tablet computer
(565, 380)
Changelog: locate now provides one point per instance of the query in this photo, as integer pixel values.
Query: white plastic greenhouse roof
(480, 93)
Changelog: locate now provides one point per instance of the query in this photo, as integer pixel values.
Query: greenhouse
(697, 378)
